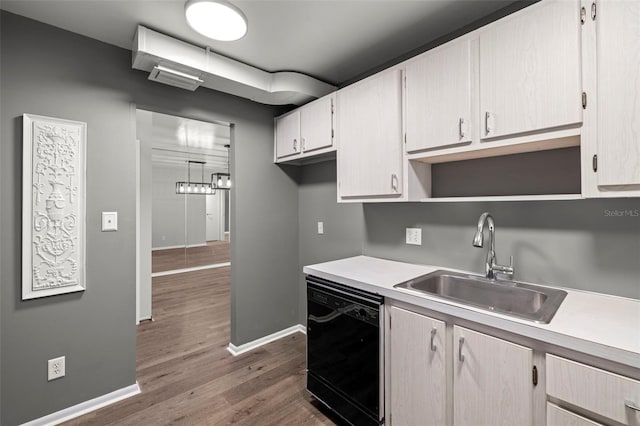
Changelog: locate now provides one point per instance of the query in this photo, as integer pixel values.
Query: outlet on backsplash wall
(578, 244)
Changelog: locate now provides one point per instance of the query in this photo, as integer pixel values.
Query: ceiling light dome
(216, 19)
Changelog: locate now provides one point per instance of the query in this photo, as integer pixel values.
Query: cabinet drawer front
(557, 416)
(596, 390)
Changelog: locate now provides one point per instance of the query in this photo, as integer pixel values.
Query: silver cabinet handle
(460, 343)
(303, 140)
(489, 123)
(394, 182)
(462, 128)
(630, 404)
(433, 336)
(295, 145)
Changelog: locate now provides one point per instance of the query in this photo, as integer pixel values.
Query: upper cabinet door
(618, 81)
(288, 135)
(316, 124)
(438, 92)
(530, 77)
(369, 137)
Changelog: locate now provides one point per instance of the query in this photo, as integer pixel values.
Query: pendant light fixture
(221, 180)
(216, 19)
(195, 188)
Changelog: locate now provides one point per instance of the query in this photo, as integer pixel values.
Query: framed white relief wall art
(53, 206)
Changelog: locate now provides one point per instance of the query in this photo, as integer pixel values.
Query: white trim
(178, 247)
(167, 248)
(137, 227)
(195, 268)
(239, 350)
(85, 407)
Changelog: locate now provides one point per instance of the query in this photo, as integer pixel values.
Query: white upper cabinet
(306, 131)
(438, 97)
(530, 78)
(618, 91)
(288, 135)
(316, 124)
(369, 138)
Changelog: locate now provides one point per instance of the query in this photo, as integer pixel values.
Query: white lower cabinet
(491, 380)
(593, 390)
(557, 416)
(417, 369)
(491, 384)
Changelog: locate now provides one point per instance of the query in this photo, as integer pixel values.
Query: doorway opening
(183, 203)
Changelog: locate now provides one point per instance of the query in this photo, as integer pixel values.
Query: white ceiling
(333, 40)
(176, 140)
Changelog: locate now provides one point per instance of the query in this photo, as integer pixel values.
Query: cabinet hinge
(583, 15)
(331, 106)
(594, 163)
(332, 134)
(405, 138)
(534, 376)
(593, 11)
(389, 322)
(584, 100)
(404, 78)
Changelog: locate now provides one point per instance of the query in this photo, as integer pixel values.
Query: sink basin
(531, 302)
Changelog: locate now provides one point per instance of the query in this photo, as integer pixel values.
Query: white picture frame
(53, 206)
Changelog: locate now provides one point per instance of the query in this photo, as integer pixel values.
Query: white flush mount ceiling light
(216, 19)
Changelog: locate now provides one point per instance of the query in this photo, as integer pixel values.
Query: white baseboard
(195, 268)
(178, 247)
(85, 407)
(239, 350)
(167, 247)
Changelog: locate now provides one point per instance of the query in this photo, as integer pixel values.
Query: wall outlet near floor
(56, 368)
(320, 227)
(414, 236)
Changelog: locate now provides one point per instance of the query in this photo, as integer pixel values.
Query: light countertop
(596, 324)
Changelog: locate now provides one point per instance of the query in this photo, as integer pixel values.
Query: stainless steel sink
(531, 302)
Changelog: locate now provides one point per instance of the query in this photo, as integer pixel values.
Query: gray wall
(52, 72)
(343, 223)
(577, 244)
(177, 219)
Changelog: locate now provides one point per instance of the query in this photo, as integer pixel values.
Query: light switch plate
(320, 227)
(414, 236)
(109, 221)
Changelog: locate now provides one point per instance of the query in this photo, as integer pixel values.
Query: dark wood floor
(180, 258)
(188, 377)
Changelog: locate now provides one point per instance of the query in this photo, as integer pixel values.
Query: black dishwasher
(344, 350)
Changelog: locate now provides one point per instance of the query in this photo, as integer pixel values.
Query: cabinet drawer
(596, 390)
(557, 416)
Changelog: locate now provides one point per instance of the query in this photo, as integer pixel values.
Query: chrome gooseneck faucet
(491, 267)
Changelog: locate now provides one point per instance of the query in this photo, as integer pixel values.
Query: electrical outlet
(320, 227)
(109, 221)
(414, 236)
(56, 368)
